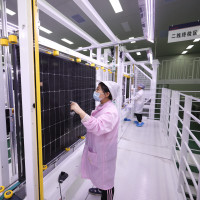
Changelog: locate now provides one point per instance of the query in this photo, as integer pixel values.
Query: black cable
(60, 191)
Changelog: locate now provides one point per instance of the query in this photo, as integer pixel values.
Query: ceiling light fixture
(116, 6)
(138, 53)
(85, 50)
(184, 52)
(133, 42)
(131, 38)
(197, 40)
(10, 12)
(67, 41)
(190, 46)
(45, 30)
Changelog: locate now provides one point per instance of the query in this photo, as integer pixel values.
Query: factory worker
(100, 151)
(139, 104)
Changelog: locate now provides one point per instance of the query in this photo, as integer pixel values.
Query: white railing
(182, 124)
(170, 69)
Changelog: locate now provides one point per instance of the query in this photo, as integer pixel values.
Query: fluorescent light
(10, 12)
(197, 40)
(133, 42)
(138, 53)
(184, 52)
(131, 38)
(190, 46)
(67, 41)
(116, 6)
(85, 50)
(45, 30)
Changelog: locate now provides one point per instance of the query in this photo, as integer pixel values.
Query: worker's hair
(105, 89)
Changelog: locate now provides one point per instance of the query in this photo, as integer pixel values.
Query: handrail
(181, 150)
(192, 156)
(191, 175)
(187, 186)
(194, 138)
(196, 119)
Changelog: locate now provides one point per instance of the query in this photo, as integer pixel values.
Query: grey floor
(144, 169)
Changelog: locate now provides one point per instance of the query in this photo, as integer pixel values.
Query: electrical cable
(60, 191)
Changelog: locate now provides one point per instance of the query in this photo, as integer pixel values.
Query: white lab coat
(138, 102)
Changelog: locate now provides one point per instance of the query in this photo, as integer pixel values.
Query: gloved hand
(75, 107)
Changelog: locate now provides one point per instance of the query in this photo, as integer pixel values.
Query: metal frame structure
(28, 23)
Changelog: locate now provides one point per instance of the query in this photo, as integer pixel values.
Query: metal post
(28, 97)
(9, 87)
(120, 69)
(153, 88)
(173, 119)
(90, 53)
(99, 54)
(162, 107)
(185, 139)
(4, 172)
(198, 191)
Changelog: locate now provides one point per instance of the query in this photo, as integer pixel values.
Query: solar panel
(63, 81)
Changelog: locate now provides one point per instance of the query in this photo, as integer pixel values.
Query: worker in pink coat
(100, 150)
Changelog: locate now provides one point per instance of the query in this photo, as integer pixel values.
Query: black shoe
(95, 191)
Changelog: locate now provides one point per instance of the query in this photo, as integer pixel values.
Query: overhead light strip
(45, 30)
(197, 40)
(190, 46)
(116, 6)
(67, 41)
(10, 12)
(184, 52)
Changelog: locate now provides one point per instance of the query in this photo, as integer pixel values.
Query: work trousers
(107, 194)
(139, 117)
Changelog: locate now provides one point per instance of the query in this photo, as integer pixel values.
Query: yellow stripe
(38, 102)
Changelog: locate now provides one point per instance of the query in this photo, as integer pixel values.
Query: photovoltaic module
(61, 81)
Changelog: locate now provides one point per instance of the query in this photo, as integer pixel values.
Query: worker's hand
(75, 107)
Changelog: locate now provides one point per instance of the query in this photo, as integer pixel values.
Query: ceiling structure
(124, 25)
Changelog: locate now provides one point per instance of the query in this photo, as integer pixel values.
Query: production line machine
(39, 79)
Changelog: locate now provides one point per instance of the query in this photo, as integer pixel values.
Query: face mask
(96, 96)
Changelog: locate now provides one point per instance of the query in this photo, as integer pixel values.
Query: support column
(28, 97)
(4, 172)
(99, 54)
(173, 119)
(155, 66)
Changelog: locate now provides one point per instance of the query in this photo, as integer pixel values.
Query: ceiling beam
(146, 68)
(89, 10)
(110, 44)
(142, 72)
(138, 63)
(136, 50)
(53, 45)
(59, 17)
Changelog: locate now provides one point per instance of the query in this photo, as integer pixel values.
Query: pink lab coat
(100, 151)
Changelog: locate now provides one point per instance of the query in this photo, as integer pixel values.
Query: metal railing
(182, 124)
(170, 69)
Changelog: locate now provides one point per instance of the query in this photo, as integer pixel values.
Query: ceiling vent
(78, 18)
(126, 26)
(169, 0)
